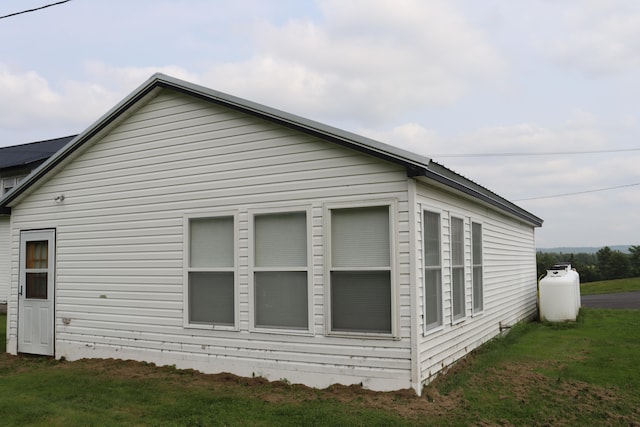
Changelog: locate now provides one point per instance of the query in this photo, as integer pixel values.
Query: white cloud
(371, 60)
(126, 79)
(28, 97)
(410, 136)
(527, 176)
(603, 38)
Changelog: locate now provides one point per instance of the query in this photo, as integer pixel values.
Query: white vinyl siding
(476, 262)
(211, 277)
(360, 275)
(281, 271)
(508, 273)
(458, 287)
(5, 255)
(432, 270)
(122, 236)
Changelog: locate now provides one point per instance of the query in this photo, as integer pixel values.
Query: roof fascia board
(504, 206)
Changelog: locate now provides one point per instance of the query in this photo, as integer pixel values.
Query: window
(281, 271)
(432, 271)
(457, 268)
(211, 271)
(8, 184)
(360, 270)
(36, 266)
(476, 261)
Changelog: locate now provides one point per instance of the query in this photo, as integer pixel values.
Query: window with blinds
(211, 271)
(360, 270)
(432, 270)
(476, 261)
(280, 271)
(457, 268)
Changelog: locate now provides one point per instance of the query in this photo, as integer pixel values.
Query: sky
(532, 99)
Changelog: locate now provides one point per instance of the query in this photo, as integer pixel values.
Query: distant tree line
(606, 264)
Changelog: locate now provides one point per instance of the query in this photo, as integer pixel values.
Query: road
(621, 300)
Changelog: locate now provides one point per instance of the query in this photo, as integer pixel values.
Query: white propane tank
(559, 293)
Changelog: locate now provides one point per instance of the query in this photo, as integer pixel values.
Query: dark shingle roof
(26, 154)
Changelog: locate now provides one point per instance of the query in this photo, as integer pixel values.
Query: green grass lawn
(610, 286)
(582, 373)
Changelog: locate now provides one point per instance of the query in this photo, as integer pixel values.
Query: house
(194, 228)
(16, 162)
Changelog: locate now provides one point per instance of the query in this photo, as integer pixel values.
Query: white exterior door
(36, 292)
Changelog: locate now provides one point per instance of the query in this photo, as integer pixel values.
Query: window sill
(477, 314)
(283, 331)
(204, 327)
(458, 321)
(433, 330)
(362, 335)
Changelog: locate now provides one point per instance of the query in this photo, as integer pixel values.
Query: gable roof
(418, 167)
(27, 154)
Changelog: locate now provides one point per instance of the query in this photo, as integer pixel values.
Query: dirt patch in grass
(404, 403)
(520, 386)
(559, 401)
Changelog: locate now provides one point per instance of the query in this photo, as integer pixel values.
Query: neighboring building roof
(26, 154)
(417, 166)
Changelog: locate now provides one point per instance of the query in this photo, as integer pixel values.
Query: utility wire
(579, 192)
(548, 153)
(36, 9)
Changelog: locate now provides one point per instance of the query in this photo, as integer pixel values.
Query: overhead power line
(547, 153)
(35, 9)
(579, 192)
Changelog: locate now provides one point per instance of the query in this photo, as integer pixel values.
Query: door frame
(47, 349)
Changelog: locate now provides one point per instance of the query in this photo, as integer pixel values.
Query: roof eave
(492, 200)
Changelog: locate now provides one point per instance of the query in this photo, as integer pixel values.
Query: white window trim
(187, 268)
(392, 205)
(462, 217)
(307, 209)
(442, 214)
(482, 240)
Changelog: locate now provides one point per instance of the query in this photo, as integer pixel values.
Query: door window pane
(37, 254)
(36, 285)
